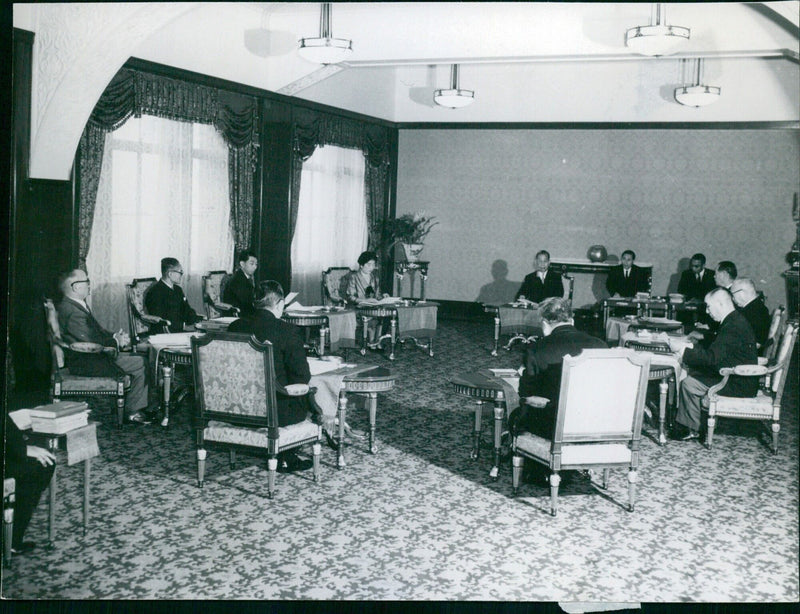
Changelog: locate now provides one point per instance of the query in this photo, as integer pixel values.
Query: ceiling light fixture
(697, 95)
(657, 38)
(325, 49)
(454, 97)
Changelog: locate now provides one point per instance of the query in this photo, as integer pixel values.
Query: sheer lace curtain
(163, 191)
(331, 227)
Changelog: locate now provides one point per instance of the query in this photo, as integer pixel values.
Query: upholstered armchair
(213, 290)
(65, 385)
(599, 420)
(236, 394)
(332, 291)
(141, 323)
(777, 326)
(9, 490)
(766, 405)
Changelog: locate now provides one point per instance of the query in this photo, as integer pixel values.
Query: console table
(584, 293)
(413, 269)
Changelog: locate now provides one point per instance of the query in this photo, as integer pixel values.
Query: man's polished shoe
(23, 548)
(681, 433)
(138, 418)
(291, 462)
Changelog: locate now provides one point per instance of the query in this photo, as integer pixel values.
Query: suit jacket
(734, 345)
(170, 304)
(536, 290)
(757, 315)
(636, 282)
(78, 324)
(241, 292)
(289, 356)
(544, 362)
(693, 289)
(353, 288)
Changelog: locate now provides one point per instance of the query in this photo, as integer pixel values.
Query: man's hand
(679, 345)
(45, 457)
(122, 338)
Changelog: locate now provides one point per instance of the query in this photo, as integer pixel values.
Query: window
(331, 227)
(163, 191)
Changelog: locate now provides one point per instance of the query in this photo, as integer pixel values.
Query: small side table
(85, 453)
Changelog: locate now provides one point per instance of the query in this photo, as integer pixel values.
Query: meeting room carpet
(420, 519)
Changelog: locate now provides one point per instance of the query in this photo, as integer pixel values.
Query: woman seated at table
(363, 284)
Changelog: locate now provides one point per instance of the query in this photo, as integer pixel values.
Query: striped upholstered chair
(236, 394)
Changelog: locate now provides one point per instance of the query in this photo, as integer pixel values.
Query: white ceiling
(526, 61)
(529, 62)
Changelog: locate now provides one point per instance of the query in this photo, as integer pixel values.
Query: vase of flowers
(409, 230)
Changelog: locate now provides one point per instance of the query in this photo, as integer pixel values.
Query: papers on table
(319, 366)
(289, 298)
(22, 418)
(172, 340)
(298, 308)
(512, 381)
(386, 300)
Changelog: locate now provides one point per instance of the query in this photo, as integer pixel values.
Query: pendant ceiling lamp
(697, 94)
(325, 49)
(455, 98)
(657, 38)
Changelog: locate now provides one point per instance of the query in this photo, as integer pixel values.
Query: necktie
(698, 277)
(626, 274)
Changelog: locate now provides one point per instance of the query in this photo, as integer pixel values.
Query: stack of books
(58, 418)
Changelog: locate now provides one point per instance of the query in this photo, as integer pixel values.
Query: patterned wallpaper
(666, 194)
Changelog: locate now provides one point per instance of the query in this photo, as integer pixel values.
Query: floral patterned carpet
(420, 519)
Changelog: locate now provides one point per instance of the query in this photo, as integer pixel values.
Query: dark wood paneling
(272, 216)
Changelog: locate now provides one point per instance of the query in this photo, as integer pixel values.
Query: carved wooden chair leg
(776, 427)
(120, 400)
(232, 458)
(632, 476)
(340, 463)
(606, 473)
(317, 450)
(201, 466)
(272, 466)
(517, 462)
(555, 480)
(712, 422)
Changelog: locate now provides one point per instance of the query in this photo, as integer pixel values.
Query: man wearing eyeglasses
(78, 324)
(752, 307)
(166, 299)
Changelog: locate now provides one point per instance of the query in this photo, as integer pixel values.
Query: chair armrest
(742, 371)
(87, 347)
(145, 317)
(535, 401)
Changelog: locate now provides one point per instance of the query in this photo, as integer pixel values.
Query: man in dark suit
(241, 289)
(725, 274)
(543, 365)
(734, 345)
(165, 298)
(626, 279)
(752, 308)
(289, 357)
(32, 468)
(78, 324)
(542, 283)
(697, 280)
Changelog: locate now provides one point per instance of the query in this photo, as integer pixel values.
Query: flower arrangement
(410, 228)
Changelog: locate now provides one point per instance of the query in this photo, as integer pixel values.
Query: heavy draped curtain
(132, 93)
(312, 128)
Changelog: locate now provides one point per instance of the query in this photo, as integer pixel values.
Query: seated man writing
(733, 345)
(626, 279)
(78, 324)
(541, 377)
(166, 299)
(291, 366)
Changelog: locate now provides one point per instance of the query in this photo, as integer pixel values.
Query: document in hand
(289, 298)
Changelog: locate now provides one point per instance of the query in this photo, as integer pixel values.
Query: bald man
(752, 307)
(734, 345)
